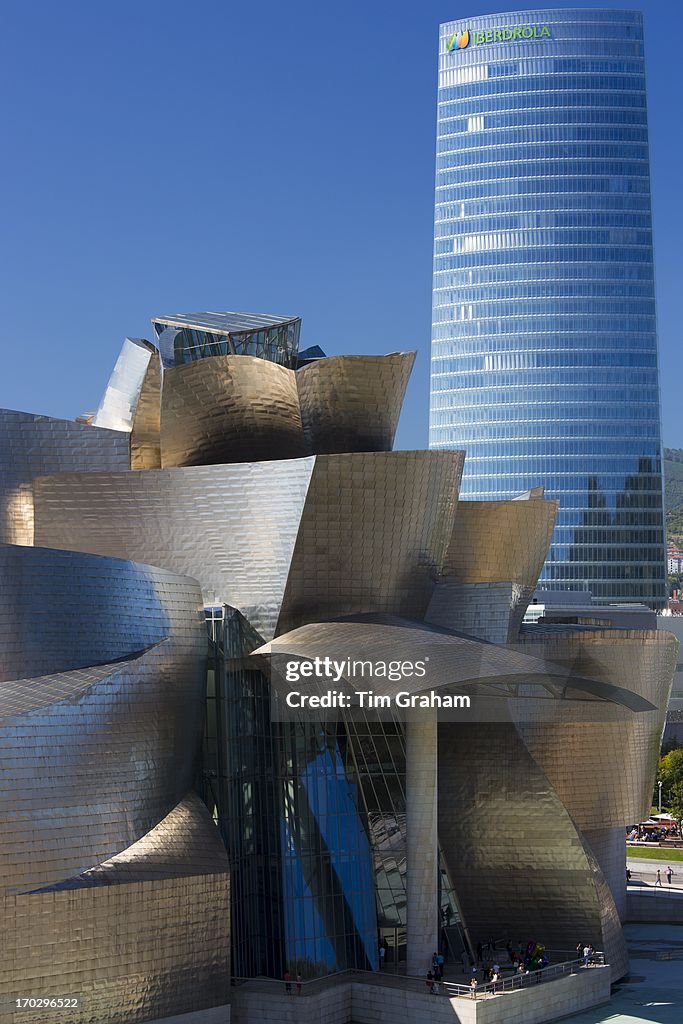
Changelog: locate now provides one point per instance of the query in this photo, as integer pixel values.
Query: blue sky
(273, 157)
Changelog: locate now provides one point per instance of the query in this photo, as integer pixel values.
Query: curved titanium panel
(519, 866)
(34, 445)
(61, 610)
(145, 443)
(142, 936)
(494, 557)
(185, 842)
(96, 756)
(454, 661)
(601, 762)
(352, 403)
(119, 402)
(495, 541)
(373, 535)
(229, 409)
(231, 527)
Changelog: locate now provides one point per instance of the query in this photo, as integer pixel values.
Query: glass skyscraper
(544, 347)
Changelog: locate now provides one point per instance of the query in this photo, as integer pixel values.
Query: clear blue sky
(162, 156)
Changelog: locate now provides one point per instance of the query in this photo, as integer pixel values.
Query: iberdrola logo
(459, 42)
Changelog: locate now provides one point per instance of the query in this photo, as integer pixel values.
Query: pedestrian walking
(658, 880)
(287, 978)
(669, 874)
(299, 983)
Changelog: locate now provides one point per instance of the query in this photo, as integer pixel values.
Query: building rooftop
(222, 323)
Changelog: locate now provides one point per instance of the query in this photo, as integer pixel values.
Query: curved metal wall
(229, 409)
(31, 446)
(353, 403)
(92, 757)
(373, 535)
(231, 527)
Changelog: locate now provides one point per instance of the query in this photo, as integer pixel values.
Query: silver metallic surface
(145, 443)
(602, 766)
(372, 536)
(225, 323)
(31, 446)
(518, 863)
(101, 695)
(493, 543)
(352, 403)
(229, 409)
(187, 520)
(119, 401)
(455, 664)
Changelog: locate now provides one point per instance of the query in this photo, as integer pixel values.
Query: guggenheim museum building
(163, 829)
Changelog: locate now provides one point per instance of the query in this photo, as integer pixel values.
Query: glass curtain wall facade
(544, 348)
(313, 816)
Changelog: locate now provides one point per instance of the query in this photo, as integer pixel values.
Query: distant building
(674, 561)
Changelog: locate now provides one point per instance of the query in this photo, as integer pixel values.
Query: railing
(517, 980)
(450, 989)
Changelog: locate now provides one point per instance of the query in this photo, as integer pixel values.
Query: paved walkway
(653, 992)
(643, 870)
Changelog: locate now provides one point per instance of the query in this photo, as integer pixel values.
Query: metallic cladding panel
(519, 865)
(133, 952)
(373, 535)
(99, 755)
(229, 409)
(609, 849)
(495, 541)
(34, 445)
(353, 403)
(490, 611)
(191, 521)
(602, 765)
(119, 402)
(60, 610)
(185, 842)
(145, 443)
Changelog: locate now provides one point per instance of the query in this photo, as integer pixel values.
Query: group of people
(287, 978)
(435, 973)
(669, 875)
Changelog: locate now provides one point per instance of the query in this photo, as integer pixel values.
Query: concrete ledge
(355, 1001)
(215, 1015)
(654, 906)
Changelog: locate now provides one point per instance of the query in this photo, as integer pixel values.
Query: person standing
(586, 955)
(473, 986)
(658, 880)
(287, 978)
(382, 954)
(669, 874)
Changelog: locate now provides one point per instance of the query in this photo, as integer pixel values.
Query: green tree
(670, 774)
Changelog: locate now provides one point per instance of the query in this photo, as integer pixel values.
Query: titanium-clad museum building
(544, 346)
(161, 830)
